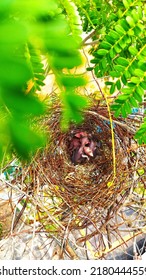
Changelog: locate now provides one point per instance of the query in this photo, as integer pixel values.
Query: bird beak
(88, 151)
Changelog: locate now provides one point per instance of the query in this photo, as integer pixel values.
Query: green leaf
(127, 107)
(102, 52)
(105, 45)
(130, 32)
(133, 101)
(131, 70)
(72, 81)
(108, 83)
(140, 90)
(137, 96)
(122, 61)
(118, 84)
(130, 21)
(124, 79)
(127, 39)
(140, 11)
(122, 43)
(112, 53)
(25, 140)
(117, 113)
(126, 4)
(18, 69)
(135, 80)
(143, 85)
(133, 50)
(139, 73)
(104, 63)
(117, 48)
(141, 26)
(64, 61)
(144, 51)
(119, 68)
(123, 112)
(142, 66)
(23, 104)
(122, 97)
(137, 31)
(112, 88)
(131, 85)
(114, 34)
(141, 131)
(110, 39)
(115, 74)
(126, 90)
(73, 104)
(135, 15)
(119, 29)
(124, 24)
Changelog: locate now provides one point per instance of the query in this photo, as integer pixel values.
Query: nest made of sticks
(88, 201)
(88, 193)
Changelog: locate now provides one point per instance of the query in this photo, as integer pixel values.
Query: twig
(91, 43)
(89, 36)
(117, 122)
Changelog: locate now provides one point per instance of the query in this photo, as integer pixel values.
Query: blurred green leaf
(23, 104)
(72, 81)
(14, 71)
(139, 73)
(137, 96)
(119, 68)
(126, 3)
(143, 85)
(133, 50)
(119, 29)
(135, 80)
(73, 105)
(70, 61)
(130, 21)
(25, 140)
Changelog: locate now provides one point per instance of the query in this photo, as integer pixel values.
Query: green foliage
(73, 104)
(37, 67)
(31, 30)
(141, 133)
(95, 15)
(121, 55)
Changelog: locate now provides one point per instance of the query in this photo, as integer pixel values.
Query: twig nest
(88, 190)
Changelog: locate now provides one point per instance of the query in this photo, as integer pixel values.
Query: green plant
(121, 55)
(51, 29)
(29, 31)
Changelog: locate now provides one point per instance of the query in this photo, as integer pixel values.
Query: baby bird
(75, 143)
(78, 151)
(83, 147)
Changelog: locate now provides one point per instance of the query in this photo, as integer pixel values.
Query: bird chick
(83, 147)
(88, 151)
(93, 147)
(81, 134)
(78, 150)
(84, 141)
(75, 143)
(77, 155)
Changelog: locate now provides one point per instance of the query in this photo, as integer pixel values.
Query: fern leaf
(37, 68)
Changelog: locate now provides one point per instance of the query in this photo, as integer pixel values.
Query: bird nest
(85, 206)
(89, 192)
